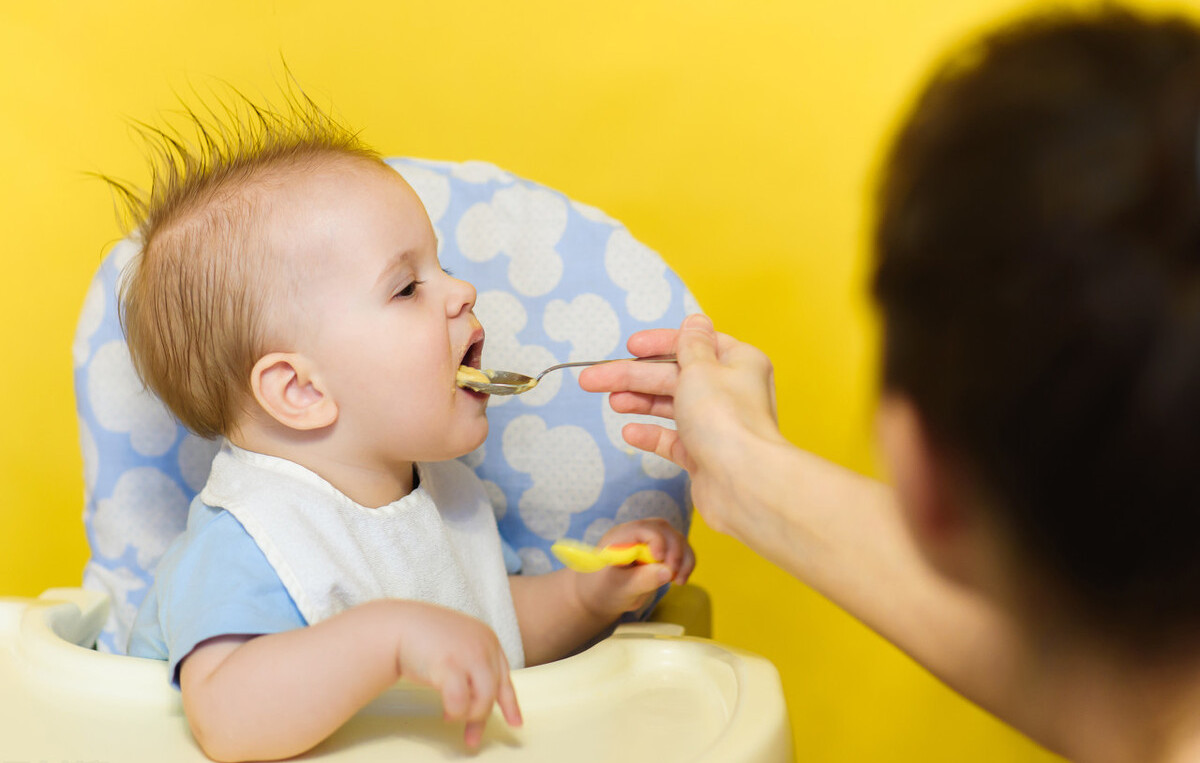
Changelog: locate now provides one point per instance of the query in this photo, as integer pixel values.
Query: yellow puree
(472, 375)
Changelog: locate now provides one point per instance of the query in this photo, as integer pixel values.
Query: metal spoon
(492, 382)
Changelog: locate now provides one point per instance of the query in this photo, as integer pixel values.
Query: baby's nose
(462, 296)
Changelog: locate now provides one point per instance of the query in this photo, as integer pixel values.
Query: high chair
(557, 281)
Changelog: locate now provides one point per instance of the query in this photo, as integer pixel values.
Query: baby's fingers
(473, 735)
(645, 578)
(490, 685)
(677, 555)
(456, 696)
(506, 698)
(666, 545)
(686, 565)
(481, 697)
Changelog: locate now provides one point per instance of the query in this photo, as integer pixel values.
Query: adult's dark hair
(1039, 279)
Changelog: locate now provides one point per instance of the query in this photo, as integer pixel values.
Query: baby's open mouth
(474, 355)
(468, 367)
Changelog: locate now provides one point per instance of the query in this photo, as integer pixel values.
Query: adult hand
(835, 530)
(721, 396)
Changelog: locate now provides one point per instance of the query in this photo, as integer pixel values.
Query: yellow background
(738, 139)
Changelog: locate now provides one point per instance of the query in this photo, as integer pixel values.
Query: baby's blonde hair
(193, 301)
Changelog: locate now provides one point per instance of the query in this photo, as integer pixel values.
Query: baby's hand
(616, 590)
(461, 657)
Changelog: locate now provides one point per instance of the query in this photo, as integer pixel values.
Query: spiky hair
(193, 301)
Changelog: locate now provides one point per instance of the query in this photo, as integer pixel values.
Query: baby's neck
(366, 483)
(369, 486)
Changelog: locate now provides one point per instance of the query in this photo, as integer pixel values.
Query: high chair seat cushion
(557, 281)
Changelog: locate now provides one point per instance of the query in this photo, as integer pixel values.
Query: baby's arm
(275, 696)
(562, 611)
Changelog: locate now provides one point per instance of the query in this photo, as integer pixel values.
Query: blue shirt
(212, 581)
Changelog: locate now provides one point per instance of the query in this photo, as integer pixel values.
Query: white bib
(439, 544)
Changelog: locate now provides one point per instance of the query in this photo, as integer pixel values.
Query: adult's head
(1039, 279)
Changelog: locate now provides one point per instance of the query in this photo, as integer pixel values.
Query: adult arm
(835, 530)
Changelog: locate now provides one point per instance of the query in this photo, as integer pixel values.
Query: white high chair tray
(642, 693)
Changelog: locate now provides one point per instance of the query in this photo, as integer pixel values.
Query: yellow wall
(737, 138)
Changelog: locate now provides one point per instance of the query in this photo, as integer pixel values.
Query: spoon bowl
(493, 382)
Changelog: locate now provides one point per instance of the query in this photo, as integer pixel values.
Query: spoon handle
(646, 359)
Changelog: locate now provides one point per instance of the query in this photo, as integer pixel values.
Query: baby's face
(385, 325)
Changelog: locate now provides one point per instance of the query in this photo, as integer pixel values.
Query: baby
(288, 298)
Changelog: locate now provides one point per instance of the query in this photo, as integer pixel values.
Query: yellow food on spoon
(467, 374)
(584, 558)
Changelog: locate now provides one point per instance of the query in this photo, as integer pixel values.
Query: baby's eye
(409, 290)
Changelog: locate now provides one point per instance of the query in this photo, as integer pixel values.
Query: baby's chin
(459, 442)
(477, 441)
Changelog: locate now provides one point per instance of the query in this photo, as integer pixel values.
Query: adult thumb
(697, 341)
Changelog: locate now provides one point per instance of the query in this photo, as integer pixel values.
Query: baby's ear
(288, 387)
